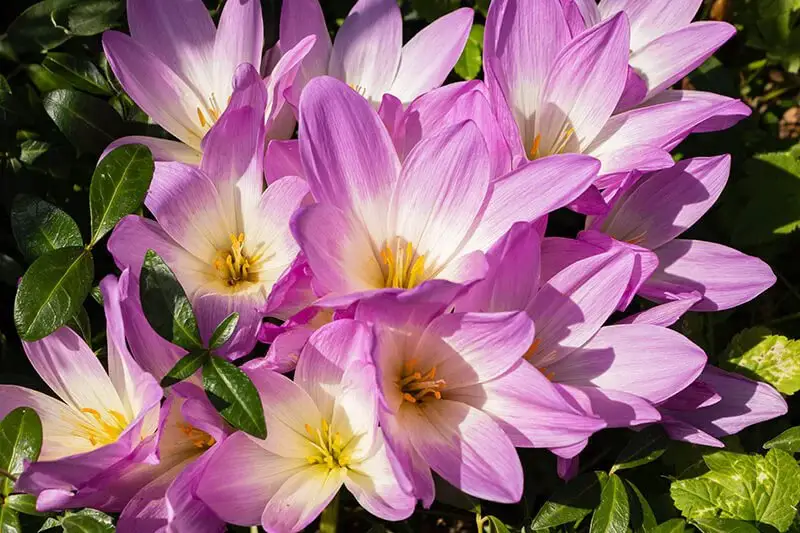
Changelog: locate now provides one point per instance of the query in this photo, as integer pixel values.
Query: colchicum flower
(102, 427)
(368, 53)
(226, 239)
(382, 225)
(178, 68)
(323, 434)
(458, 396)
(555, 93)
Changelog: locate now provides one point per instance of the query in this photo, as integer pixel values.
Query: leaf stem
(330, 516)
(8, 475)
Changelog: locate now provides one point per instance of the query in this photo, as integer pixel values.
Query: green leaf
(613, 513)
(185, 367)
(496, 525)
(431, 10)
(642, 518)
(51, 523)
(79, 72)
(119, 185)
(724, 525)
(52, 291)
(234, 396)
(81, 325)
(644, 447)
(87, 521)
(89, 123)
(760, 355)
(469, 64)
(788, 441)
(23, 503)
(742, 487)
(571, 502)
(9, 520)
(91, 17)
(20, 439)
(40, 227)
(224, 331)
(165, 304)
(34, 30)
(676, 525)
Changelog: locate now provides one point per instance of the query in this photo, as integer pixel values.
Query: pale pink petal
(616, 408)
(161, 149)
(239, 39)
(282, 159)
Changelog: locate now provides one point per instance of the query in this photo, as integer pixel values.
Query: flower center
(403, 268)
(198, 437)
(213, 111)
(103, 429)
(328, 447)
(360, 89)
(559, 146)
(233, 265)
(416, 386)
(529, 355)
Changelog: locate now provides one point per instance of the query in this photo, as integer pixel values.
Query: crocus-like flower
(458, 396)
(368, 53)
(226, 239)
(323, 434)
(718, 404)
(600, 368)
(562, 91)
(103, 426)
(665, 44)
(178, 67)
(382, 225)
(654, 210)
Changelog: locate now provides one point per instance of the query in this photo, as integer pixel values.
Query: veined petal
(154, 87)
(161, 149)
(650, 20)
(239, 39)
(665, 314)
(367, 48)
(282, 159)
(724, 276)
(445, 178)
(612, 360)
(242, 477)
(420, 71)
(301, 498)
(583, 87)
(212, 306)
(298, 20)
(616, 408)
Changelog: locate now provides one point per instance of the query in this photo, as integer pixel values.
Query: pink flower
(323, 433)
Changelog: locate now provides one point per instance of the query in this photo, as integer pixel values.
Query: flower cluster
(427, 320)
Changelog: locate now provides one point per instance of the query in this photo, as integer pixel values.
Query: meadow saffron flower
(224, 236)
(323, 433)
(178, 68)
(368, 53)
(100, 429)
(654, 210)
(665, 44)
(380, 224)
(562, 91)
(458, 396)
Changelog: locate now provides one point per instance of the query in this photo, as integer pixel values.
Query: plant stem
(8, 475)
(330, 516)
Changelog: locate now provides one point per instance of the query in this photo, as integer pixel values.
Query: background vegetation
(60, 106)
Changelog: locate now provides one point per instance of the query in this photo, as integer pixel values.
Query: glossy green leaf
(642, 518)
(224, 331)
(471, 60)
(751, 488)
(166, 305)
(571, 502)
(20, 439)
(185, 367)
(613, 513)
(643, 447)
(119, 185)
(760, 355)
(91, 17)
(40, 227)
(788, 441)
(9, 520)
(495, 525)
(89, 123)
(676, 525)
(52, 291)
(79, 72)
(234, 396)
(23, 503)
(34, 30)
(81, 324)
(87, 521)
(724, 525)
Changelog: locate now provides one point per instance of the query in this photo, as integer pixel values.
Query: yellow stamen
(404, 269)
(234, 265)
(535, 147)
(102, 431)
(416, 386)
(638, 238)
(199, 438)
(202, 118)
(328, 445)
(532, 350)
